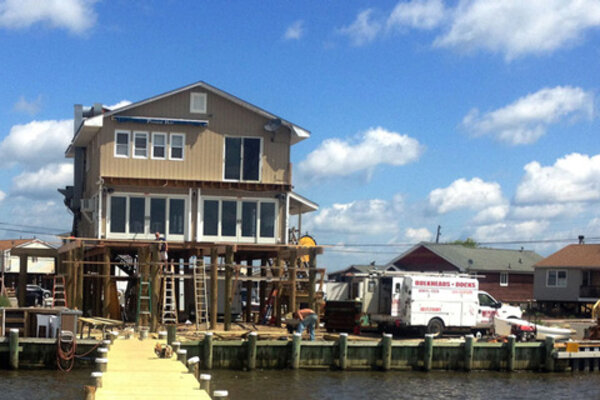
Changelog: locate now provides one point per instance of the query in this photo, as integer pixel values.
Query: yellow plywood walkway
(135, 372)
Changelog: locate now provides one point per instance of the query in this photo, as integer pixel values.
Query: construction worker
(163, 247)
(308, 319)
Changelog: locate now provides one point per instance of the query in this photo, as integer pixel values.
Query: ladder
(144, 304)
(200, 294)
(59, 293)
(169, 305)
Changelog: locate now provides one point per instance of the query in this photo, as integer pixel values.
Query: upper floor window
(198, 103)
(121, 143)
(503, 278)
(140, 144)
(159, 145)
(177, 144)
(556, 278)
(242, 158)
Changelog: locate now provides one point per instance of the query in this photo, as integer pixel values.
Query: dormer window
(242, 158)
(198, 103)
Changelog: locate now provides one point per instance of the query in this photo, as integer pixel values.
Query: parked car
(36, 295)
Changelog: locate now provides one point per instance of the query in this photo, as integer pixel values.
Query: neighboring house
(569, 277)
(342, 275)
(38, 268)
(196, 164)
(505, 274)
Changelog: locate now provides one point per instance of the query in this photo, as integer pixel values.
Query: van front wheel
(435, 327)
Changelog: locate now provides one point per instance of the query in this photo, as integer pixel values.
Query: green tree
(468, 242)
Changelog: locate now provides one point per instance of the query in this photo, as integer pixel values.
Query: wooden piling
(22, 283)
(262, 289)
(205, 382)
(312, 279)
(469, 347)
(193, 365)
(208, 350)
(228, 288)
(96, 379)
(296, 346)
(171, 333)
(343, 343)
(13, 349)
(511, 345)
(101, 364)
(214, 287)
(249, 287)
(386, 351)
(277, 300)
(89, 392)
(549, 359)
(79, 253)
(428, 352)
(292, 271)
(221, 394)
(182, 355)
(106, 284)
(155, 277)
(252, 338)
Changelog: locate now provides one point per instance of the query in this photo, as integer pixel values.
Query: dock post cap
(181, 351)
(105, 342)
(343, 334)
(176, 343)
(389, 335)
(297, 334)
(101, 360)
(193, 360)
(208, 334)
(96, 374)
(102, 350)
(14, 330)
(220, 393)
(205, 377)
(429, 335)
(253, 333)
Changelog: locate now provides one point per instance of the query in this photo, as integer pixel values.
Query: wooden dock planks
(135, 372)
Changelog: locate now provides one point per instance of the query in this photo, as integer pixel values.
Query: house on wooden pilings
(505, 274)
(207, 170)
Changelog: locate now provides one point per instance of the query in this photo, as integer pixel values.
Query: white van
(439, 303)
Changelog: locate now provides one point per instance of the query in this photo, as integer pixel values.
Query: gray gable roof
(468, 259)
(363, 269)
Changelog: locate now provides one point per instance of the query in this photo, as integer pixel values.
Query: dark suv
(36, 295)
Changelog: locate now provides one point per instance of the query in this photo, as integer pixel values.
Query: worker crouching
(308, 320)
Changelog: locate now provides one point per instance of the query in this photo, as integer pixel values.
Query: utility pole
(437, 236)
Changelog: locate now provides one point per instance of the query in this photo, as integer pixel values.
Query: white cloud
(526, 120)
(36, 143)
(493, 213)
(418, 234)
(363, 30)
(474, 194)
(504, 231)
(516, 28)
(419, 14)
(120, 104)
(2, 195)
(365, 217)
(545, 211)
(76, 16)
(336, 157)
(29, 107)
(44, 181)
(295, 31)
(573, 178)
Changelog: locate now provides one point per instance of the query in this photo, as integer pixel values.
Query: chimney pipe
(581, 237)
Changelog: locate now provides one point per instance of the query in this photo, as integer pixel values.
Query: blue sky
(479, 116)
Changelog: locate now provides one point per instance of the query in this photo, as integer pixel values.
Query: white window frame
(128, 133)
(503, 278)
(198, 95)
(147, 234)
(171, 136)
(238, 237)
(134, 147)
(557, 284)
(260, 158)
(165, 145)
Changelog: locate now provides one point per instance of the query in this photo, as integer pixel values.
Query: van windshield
(485, 300)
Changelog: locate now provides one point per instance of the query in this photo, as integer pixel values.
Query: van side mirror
(497, 305)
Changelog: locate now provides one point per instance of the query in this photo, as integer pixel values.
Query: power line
(32, 227)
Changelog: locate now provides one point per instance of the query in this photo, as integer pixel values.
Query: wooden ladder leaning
(144, 304)
(59, 292)
(200, 294)
(169, 305)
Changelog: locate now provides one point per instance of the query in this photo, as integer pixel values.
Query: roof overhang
(85, 133)
(301, 205)
(160, 121)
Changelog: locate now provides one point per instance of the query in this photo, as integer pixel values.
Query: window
(249, 209)
(228, 218)
(176, 216)
(122, 144)
(177, 144)
(137, 212)
(556, 278)
(242, 158)
(211, 218)
(140, 145)
(118, 210)
(267, 219)
(158, 213)
(198, 103)
(503, 278)
(159, 145)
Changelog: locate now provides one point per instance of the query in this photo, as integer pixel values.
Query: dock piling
(469, 346)
(182, 356)
(296, 344)
(386, 351)
(171, 333)
(208, 350)
(221, 394)
(97, 379)
(205, 382)
(428, 352)
(252, 338)
(549, 362)
(343, 342)
(511, 344)
(193, 365)
(13, 349)
(89, 392)
(176, 346)
(101, 364)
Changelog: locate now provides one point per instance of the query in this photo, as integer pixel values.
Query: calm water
(324, 385)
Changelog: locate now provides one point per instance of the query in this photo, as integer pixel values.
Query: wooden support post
(252, 337)
(511, 347)
(205, 382)
(106, 284)
(386, 351)
(312, 280)
(277, 300)
(228, 288)
(214, 287)
(249, 286)
(22, 284)
(208, 350)
(293, 275)
(155, 276)
(469, 347)
(96, 378)
(13, 349)
(182, 356)
(171, 333)
(296, 346)
(176, 346)
(343, 344)
(549, 362)
(89, 392)
(428, 352)
(79, 253)
(70, 280)
(262, 289)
